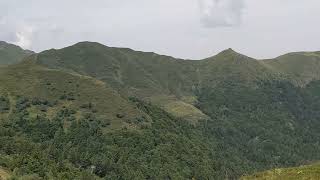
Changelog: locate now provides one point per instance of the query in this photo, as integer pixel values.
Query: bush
(4, 104)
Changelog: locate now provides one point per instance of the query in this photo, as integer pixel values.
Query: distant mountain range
(115, 113)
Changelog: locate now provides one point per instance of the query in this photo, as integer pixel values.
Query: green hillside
(310, 172)
(154, 77)
(115, 113)
(300, 67)
(11, 54)
(146, 74)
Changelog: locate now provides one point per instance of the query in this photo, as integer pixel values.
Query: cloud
(221, 13)
(24, 37)
(29, 33)
(13, 32)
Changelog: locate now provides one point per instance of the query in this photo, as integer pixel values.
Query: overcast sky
(191, 29)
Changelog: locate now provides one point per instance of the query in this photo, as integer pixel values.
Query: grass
(179, 108)
(33, 81)
(309, 172)
(4, 174)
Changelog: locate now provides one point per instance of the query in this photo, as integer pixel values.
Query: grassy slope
(150, 76)
(232, 66)
(11, 54)
(310, 172)
(300, 67)
(29, 80)
(147, 74)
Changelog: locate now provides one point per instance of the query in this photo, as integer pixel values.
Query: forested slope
(90, 111)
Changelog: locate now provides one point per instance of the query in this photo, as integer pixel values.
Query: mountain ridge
(155, 77)
(11, 54)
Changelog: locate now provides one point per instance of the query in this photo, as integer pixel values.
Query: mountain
(163, 80)
(115, 113)
(145, 74)
(303, 172)
(11, 54)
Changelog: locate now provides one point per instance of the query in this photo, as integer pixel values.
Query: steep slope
(11, 54)
(311, 172)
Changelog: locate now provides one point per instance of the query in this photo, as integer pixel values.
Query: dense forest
(66, 148)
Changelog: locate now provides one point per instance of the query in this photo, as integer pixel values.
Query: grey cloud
(221, 13)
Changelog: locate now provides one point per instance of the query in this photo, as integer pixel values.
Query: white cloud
(24, 37)
(16, 32)
(221, 13)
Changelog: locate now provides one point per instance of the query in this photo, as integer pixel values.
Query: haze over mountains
(115, 113)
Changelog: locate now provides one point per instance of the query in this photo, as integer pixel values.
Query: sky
(191, 29)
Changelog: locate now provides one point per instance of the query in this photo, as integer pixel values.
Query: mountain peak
(229, 54)
(89, 43)
(228, 51)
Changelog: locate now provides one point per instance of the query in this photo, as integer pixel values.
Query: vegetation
(311, 172)
(94, 112)
(4, 104)
(50, 91)
(300, 67)
(275, 124)
(43, 148)
(11, 54)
